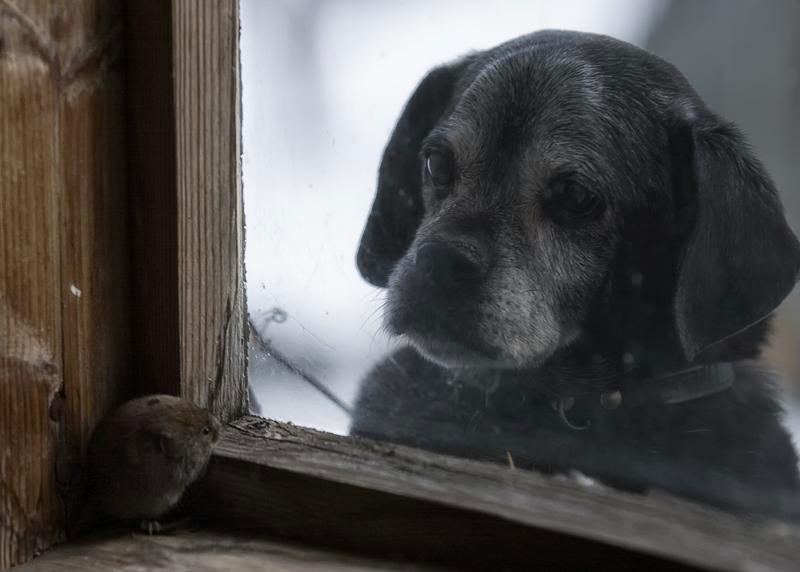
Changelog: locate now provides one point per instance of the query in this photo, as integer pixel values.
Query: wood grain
(200, 551)
(30, 314)
(184, 113)
(367, 495)
(63, 254)
(210, 216)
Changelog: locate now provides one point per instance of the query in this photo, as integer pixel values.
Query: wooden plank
(30, 313)
(200, 551)
(358, 493)
(210, 215)
(30, 317)
(95, 254)
(188, 281)
(63, 255)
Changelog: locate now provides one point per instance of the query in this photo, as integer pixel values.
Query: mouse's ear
(741, 259)
(397, 209)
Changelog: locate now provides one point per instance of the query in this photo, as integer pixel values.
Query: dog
(583, 259)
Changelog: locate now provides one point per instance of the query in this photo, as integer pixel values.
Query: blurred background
(323, 84)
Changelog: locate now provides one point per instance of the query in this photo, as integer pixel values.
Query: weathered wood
(368, 495)
(200, 551)
(210, 212)
(63, 254)
(30, 313)
(185, 118)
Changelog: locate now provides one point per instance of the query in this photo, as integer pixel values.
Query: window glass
(554, 253)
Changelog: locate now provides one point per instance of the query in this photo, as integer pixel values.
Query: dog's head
(567, 185)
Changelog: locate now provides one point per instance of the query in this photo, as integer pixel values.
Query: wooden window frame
(184, 115)
(188, 336)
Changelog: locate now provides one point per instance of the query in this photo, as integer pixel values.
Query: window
(615, 398)
(133, 282)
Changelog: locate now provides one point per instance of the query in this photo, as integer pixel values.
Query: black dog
(583, 258)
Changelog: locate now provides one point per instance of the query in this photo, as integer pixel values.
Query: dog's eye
(439, 168)
(578, 200)
(571, 202)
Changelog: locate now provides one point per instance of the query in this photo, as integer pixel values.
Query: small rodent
(144, 454)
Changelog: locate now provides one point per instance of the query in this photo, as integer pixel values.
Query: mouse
(143, 456)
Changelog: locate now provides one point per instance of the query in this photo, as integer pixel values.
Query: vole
(143, 456)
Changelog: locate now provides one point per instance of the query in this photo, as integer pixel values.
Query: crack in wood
(222, 348)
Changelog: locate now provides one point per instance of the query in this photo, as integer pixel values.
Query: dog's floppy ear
(741, 258)
(398, 209)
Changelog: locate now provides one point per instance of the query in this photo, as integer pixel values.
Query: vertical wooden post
(210, 218)
(63, 255)
(184, 101)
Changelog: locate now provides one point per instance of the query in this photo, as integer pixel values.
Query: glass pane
(554, 253)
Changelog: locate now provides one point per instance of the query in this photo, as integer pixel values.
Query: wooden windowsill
(271, 485)
(384, 499)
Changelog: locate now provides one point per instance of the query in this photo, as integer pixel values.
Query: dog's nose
(446, 266)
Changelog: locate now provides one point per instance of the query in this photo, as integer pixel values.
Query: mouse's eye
(206, 430)
(439, 169)
(571, 202)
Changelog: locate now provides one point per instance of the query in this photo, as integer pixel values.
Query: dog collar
(670, 389)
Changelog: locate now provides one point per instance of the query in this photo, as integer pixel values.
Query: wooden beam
(63, 255)
(184, 102)
(213, 340)
(370, 496)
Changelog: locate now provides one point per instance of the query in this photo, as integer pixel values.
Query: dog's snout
(446, 265)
